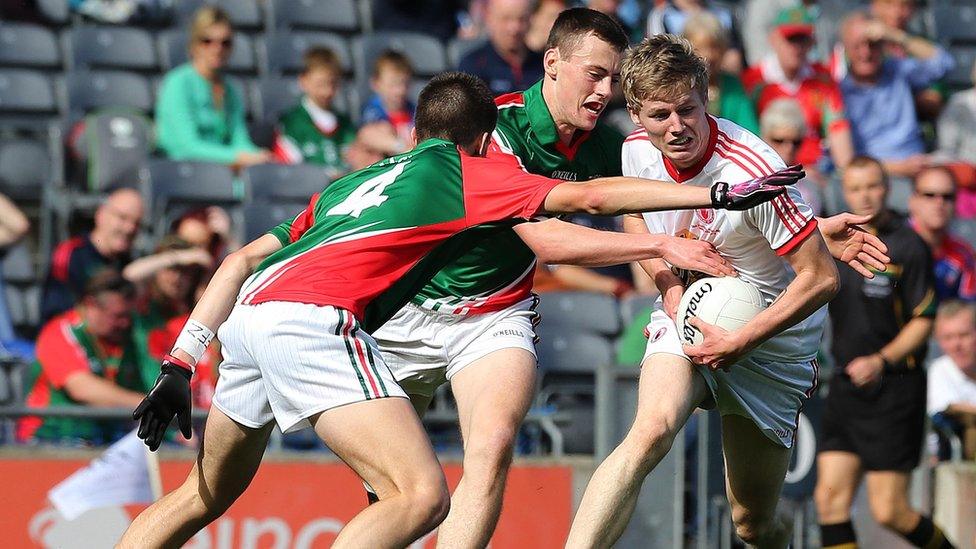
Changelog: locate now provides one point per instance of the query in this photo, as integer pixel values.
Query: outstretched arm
(561, 243)
(849, 243)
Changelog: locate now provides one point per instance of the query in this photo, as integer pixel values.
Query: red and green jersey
(816, 92)
(497, 272)
(379, 234)
(65, 347)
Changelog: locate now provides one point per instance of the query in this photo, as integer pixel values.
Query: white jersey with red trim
(753, 240)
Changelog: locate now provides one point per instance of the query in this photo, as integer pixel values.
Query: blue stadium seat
(124, 48)
(260, 218)
(426, 53)
(173, 51)
(284, 52)
(92, 90)
(459, 47)
(244, 15)
(588, 311)
(284, 184)
(25, 45)
(27, 98)
(331, 15)
(25, 169)
(955, 24)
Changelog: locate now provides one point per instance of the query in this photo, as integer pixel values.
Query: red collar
(682, 175)
(569, 151)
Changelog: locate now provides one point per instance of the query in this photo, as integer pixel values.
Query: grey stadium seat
(26, 97)
(18, 267)
(564, 350)
(632, 306)
(459, 47)
(244, 14)
(112, 48)
(426, 54)
(25, 45)
(284, 51)
(589, 311)
(961, 74)
(173, 51)
(114, 145)
(92, 90)
(171, 184)
(281, 183)
(55, 11)
(25, 168)
(954, 24)
(331, 15)
(260, 218)
(280, 94)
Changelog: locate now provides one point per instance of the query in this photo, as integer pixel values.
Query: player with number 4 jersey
(295, 309)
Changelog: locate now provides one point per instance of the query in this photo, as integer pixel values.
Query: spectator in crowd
(199, 112)
(313, 131)
(435, 17)
(879, 92)
(85, 357)
(207, 229)
(387, 117)
(757, 20)
(107, 246)
(783, 126)
(670, 17)
(540, 23)
(726, 96)
(505, 62)
(956, 132)
(13, 227)
(787, 72)
(952, 377)
(874, 417)
(611, 8)
(932, 205)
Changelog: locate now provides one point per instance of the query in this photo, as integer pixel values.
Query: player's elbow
(828, 283)
(595, 200)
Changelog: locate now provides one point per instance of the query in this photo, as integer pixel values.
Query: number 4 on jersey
(369, 194)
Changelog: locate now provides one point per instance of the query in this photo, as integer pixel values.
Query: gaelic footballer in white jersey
(769, 384)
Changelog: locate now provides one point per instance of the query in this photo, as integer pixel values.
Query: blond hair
(661, 68)
(204, 18)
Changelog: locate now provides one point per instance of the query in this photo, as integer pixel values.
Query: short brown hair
(457, 107)
(864, 161)
(574, 24)
(108, 281)
(321, 57)
(954, 307)
(662, 67)
(394, 60)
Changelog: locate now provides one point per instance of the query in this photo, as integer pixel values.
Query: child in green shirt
(311, 131)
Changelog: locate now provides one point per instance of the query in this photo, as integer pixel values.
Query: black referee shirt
(867, 314)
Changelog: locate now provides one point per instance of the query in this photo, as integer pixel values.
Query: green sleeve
(736, 105)
(176, 125)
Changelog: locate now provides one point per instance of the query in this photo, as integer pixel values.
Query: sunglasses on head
(780, 141)
(948, 197)
(226, 42)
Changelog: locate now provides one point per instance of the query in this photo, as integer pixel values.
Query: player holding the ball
(758, 375)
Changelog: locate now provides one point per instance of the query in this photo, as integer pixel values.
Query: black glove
(743, 196)
(169, 397)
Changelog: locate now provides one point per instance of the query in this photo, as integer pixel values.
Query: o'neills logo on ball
(658, 334)
(707, 215)
(688, 331)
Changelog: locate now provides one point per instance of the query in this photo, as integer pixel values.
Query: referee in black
(874, 419)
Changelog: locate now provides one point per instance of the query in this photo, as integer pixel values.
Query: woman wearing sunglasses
(199, 111)
(783, 126)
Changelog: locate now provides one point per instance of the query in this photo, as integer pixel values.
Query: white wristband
(193, 340)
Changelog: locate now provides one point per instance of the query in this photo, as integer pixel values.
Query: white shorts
(425, 349)
(289, 361)
(770, 393)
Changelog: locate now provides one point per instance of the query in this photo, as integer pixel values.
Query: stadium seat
(25, 169)
(244, 15)
(632, 306)
(171, 184)
(24, 304)
(26, 97)
(92, 90)
(284, 52)
(955, 24)
(124, 48)
(284, 184)
(55, 12)
(260, 218)
(565, 350)
(331, 15)
(459, 47)
(25, 45)
(426, 54)
(965, 229)
(173, 52)
(18, 267)
(113, 146)
(589, 311)
(961, 75)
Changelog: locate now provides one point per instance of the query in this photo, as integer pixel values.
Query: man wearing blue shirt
(879, 92)
(505, 63)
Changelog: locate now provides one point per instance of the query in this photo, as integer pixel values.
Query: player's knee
(888, 514)
(830, 501)
(754, 529)
(430, 502)
(490, 449)
(650, 438)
